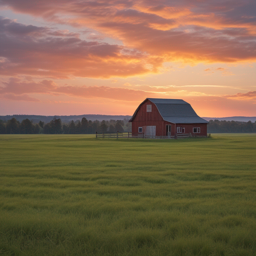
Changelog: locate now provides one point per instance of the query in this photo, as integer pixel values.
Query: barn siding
(189, 129)
(144, 118)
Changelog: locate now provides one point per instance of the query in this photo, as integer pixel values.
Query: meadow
(75, 195)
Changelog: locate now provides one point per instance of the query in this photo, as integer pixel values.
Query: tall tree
(95, 126)
(54, 127)
(57, 127)
(41, 124)
(26, 127)
(103, 127)
(249, 127)
(118, 126)
(36, 128)
(90, 127)
(78, 127)
(2, 127)
(111, 128)
(65, 128)
(72, 127)
(12, 126)
(48, 129)
(84, 125)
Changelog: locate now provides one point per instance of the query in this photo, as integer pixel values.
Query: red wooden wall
(189, 129)
(144, 118)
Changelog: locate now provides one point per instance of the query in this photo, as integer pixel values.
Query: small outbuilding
(167, 118)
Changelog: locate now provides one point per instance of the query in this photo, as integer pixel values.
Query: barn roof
(174, 111)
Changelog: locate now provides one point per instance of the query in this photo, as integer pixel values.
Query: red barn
(167, 117)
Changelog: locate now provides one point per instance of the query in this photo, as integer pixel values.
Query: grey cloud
(62, 56)
(9, 26)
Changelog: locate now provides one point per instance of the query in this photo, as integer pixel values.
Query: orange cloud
(23, 97)
(16, 89)
(49, 53)
(105, 99)
(224, 71)
(115, 100)
(17, 86)
(243, 96)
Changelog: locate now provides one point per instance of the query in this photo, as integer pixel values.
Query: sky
(74, 57)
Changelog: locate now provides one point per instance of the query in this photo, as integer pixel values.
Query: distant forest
(216, 126)
(56, 126)
(85, 126)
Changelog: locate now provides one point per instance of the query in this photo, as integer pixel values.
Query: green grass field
(75, 195)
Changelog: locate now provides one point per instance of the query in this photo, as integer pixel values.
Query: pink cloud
(153, 32)
(224, 71)
(16, 86)
(243, 96)
(125, 98)
(65, 56)
(22, 97)
(16, 89)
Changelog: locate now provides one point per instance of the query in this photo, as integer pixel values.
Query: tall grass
(75, 195)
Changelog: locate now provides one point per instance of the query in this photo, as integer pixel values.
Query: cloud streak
(243, 96)
(17, 89)
(105, 97)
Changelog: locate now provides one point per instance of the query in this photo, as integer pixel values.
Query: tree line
(56, 126)
(216, 126)
(85, 126)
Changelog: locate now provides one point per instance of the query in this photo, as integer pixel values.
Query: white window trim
(198, 130)
(139, 130)
(180, 130)
(149, 108)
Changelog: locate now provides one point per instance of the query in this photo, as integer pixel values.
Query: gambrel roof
(174, 111)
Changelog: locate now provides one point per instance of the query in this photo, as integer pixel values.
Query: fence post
(96, 135)
(117, 134)
(128, 134)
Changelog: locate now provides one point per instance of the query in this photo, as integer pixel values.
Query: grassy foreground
(75, 195)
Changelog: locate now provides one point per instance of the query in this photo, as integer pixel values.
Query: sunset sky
(73, 57)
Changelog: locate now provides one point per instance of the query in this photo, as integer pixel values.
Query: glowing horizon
(70, 57)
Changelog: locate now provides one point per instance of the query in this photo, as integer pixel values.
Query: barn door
(150, 131)
(168, 130)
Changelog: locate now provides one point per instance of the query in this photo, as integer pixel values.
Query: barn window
(149, 108)
(140, 130)
(180, 130)
(196, 130)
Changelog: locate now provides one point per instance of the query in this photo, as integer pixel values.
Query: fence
(114, 135)
(129, 135)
